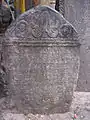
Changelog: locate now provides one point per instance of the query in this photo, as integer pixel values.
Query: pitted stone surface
(41, 22)
(80, 106)
(42, 59)
(5, 18)
(77, 12)
(12, 116)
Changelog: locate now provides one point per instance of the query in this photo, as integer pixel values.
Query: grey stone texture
(5, 18)
(80, 106)
(3, 76)
(42, 61)
(12, 116)
(60, 6)
(77, 12)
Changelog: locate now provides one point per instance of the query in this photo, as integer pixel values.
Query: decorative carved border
(40, 22)
(39, 43)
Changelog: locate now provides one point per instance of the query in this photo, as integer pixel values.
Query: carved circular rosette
(36, 31)
(21, 29)
(66, 31)
(52, 28)
(52, 32)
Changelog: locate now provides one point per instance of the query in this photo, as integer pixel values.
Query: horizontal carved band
(44, 43)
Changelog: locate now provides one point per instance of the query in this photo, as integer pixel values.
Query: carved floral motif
(21, 28)
(66, 30)
(42, 21)
(52, 29)
(36, 31)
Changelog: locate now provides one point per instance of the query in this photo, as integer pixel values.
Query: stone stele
(42, 61)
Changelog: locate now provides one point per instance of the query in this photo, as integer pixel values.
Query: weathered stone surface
(77, 12)
(12, 116)
(40, 23)
(60, 6)
(42, 59)
(80, 106)
(3, 76)
(5, 18)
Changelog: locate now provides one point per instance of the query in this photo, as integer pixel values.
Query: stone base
(80, 106)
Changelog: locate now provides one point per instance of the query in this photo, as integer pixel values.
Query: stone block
(42, 61)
